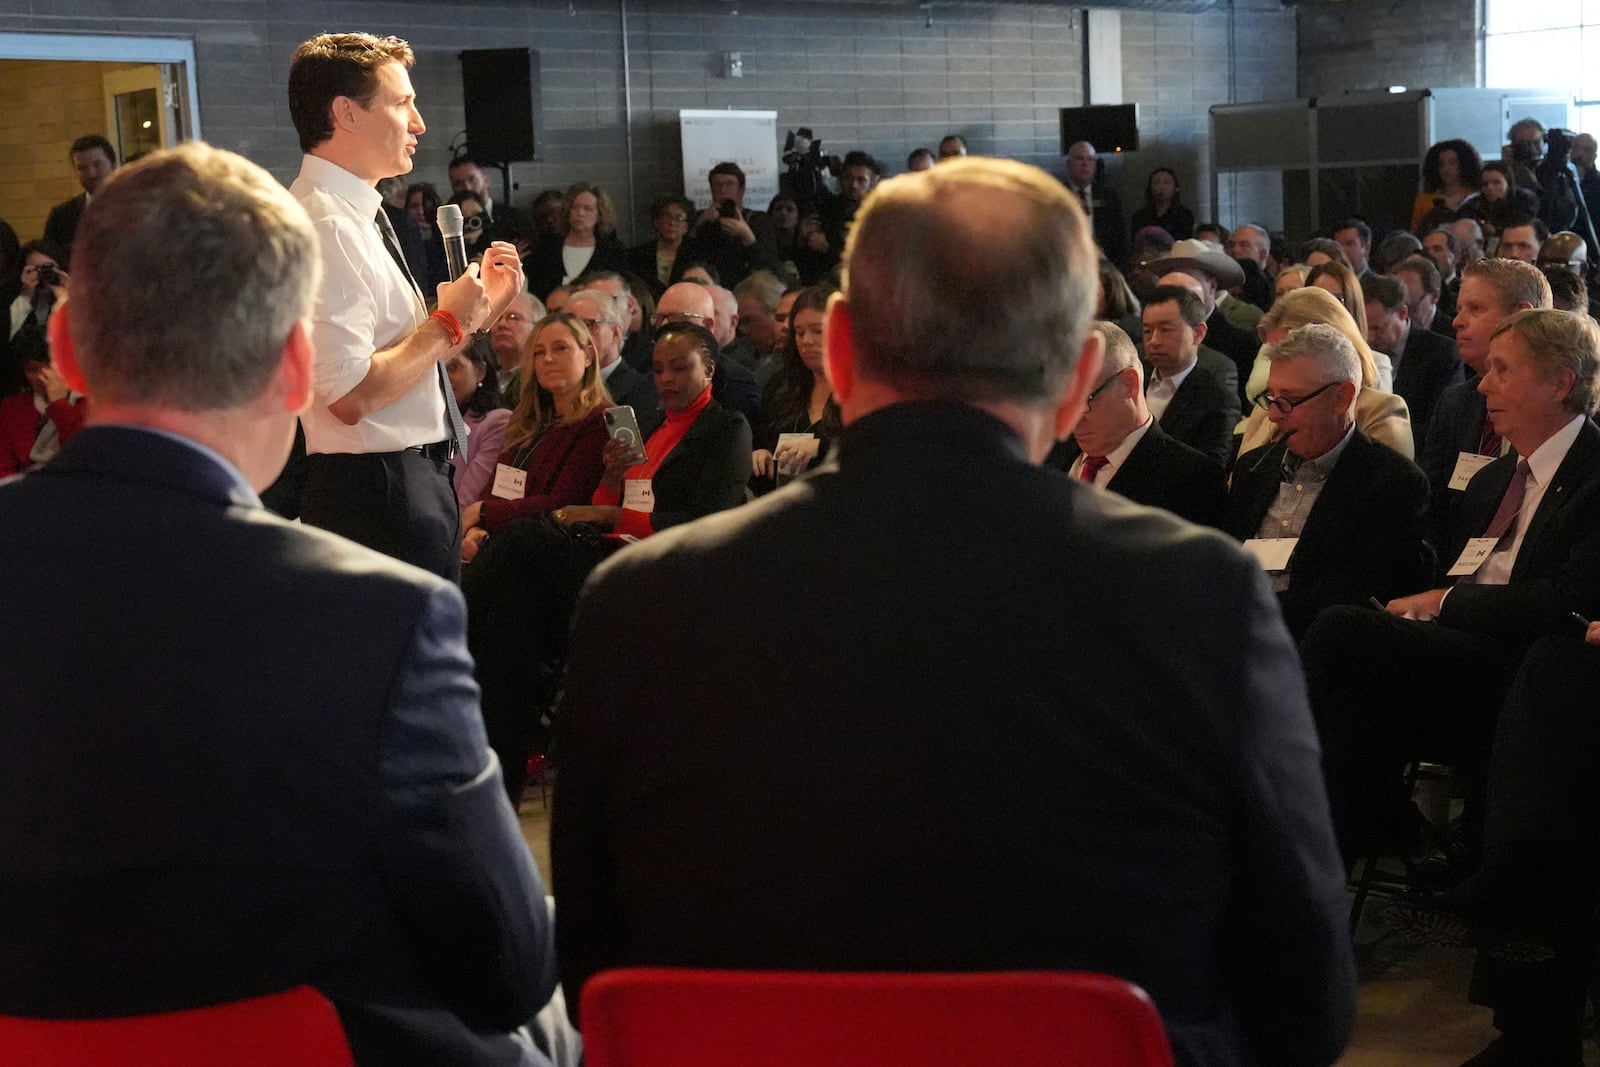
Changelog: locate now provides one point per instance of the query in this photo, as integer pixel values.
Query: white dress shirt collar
(335, 179)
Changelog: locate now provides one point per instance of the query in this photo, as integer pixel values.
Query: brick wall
(1372, 44)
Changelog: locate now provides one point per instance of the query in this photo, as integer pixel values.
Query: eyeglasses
(593, 324)
(514, 317)
(1089, 400)
(664, 318)
(1283, 405)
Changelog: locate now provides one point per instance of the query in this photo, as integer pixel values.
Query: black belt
(440, 451)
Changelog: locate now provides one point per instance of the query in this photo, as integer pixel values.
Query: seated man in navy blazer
(1151, 807)
(1333, 517)
(1425, 363)
(237, 755)
(1194, 403)
(1118, 444)
(1521, 558)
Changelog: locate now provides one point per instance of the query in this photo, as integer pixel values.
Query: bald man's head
(686, 302)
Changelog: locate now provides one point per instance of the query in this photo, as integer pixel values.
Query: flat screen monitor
(1110, 128)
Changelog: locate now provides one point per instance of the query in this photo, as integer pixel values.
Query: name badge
(637, 495)
(786, 439)
(510, 483)
(1468, 464)
(1272, 552)
(1478, 549)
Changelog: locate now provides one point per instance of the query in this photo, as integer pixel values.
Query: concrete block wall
(874, 76)
(1176, 67)
(1373, 44)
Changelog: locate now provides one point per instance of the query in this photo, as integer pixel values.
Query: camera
(48, 276)
(728, 209)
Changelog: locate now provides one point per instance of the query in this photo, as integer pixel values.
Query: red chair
(665, 1017)
(298, 1028)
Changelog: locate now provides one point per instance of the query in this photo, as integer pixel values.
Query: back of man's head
(1426, 271)
(1385, 290)
(974, 281)
(1515, 282)
(190, 269)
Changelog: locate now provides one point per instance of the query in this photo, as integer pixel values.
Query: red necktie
(1091, 467)
(1504, 523)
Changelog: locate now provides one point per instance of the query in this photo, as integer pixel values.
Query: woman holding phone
(523, 586)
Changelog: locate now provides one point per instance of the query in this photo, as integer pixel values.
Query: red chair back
(299, 1027)
(665, 1017)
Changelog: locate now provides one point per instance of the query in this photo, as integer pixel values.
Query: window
(1552, 44)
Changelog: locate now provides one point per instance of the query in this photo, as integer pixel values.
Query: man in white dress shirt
(383, 426)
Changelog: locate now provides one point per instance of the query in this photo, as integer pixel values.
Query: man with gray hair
(1118, 444)
(237, 755)
(603, 314)
(1156, 810)
(1333, 517)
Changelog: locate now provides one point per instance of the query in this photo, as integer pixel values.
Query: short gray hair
(610, 306)
(1120, 351)
(975, 280)
(189, 271)
(1324, 345)
(764, 286)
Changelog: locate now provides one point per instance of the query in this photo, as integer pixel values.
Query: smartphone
(728, 209)
(623, 426)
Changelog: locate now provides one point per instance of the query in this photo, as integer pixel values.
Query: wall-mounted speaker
(500, 95)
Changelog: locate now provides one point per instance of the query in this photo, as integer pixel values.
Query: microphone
(451, 229)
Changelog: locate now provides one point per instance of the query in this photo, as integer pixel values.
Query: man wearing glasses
(1333, 517)
(603, 314)
(1118, 445)
(733, 385)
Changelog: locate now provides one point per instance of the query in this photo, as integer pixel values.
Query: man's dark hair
(857, 158)
(1190, 306)
(916, 153)
(1541, 232)
(956, 137)
(711, 272)
(1363, 231)
(1327, 246)
(462, 159)
(90, 141)
(1390, 292)
(331, 65)
(731, 169)
(1216, 227)
(1426, 270)
(1567, 289)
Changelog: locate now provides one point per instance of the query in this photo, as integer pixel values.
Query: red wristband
(451, 324)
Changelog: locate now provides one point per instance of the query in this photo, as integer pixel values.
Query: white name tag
(637, 495)
(509, 482)
(1468, 464)
(1478, 549)
(785, 439)
(1272, 552)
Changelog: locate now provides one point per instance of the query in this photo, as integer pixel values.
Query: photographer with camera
(37, 421)
(42, 287)
(733, 240)
(1563, 204)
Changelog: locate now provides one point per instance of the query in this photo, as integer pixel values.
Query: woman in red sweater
(551, 453)
(35, 424)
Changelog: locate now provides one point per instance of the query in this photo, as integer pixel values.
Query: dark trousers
(521, 591)
(1386, 690)
(402, 504)
(1541, 853)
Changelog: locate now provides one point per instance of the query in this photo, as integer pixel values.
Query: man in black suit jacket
(602, 313)
(1102, 203)
(1204, 268)
(1154, 809)
(1444, 656)
(1195, 404)
(237, 755)
(1353, 509)
(93, 160)
(1425, 363)
(1460, 432)
(1119, 445)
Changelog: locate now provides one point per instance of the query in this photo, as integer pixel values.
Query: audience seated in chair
(1334, 518)
(801, 416)
(1195, 404)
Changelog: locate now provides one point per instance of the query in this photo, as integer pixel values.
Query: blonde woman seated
(1341, 281)
(550, 455)
(1380, 415)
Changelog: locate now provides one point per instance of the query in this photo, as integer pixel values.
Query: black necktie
(391, 243)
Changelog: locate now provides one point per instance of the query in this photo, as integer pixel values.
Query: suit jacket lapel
(1142, 467)
(1262, 477)
(1578, 465)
